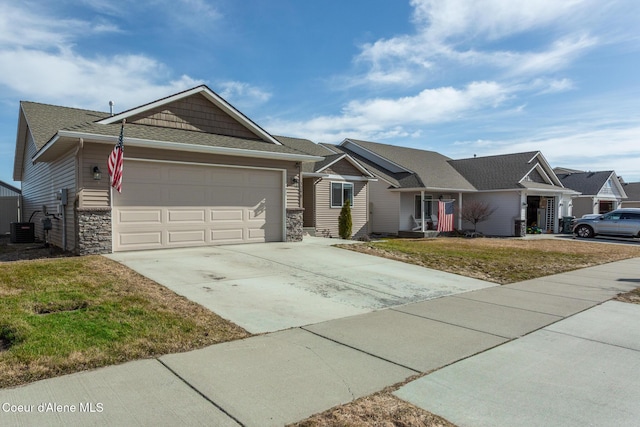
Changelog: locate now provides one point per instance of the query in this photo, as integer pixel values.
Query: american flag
(116, 160)
(445, 216)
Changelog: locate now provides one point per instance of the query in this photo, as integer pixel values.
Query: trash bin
(519, 229)
(566, 224)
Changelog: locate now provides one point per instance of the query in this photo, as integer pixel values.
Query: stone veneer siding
(94, 231)
(294, 224)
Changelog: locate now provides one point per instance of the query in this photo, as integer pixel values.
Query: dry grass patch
(65, 315)
(380, 409)
(499, 260)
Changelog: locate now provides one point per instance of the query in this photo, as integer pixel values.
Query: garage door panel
(140, 239)
(181, 237)
(186, 215)
(139, 216)
(227, 215)
(167, 205)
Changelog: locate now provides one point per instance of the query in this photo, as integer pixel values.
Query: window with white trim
(340, 192)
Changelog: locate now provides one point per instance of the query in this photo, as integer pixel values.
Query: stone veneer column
(294, 224)
(94, 231)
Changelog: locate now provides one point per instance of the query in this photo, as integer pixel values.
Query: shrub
(344, 221)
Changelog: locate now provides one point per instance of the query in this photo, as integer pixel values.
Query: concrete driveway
(272, 286)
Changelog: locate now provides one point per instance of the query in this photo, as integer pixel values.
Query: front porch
(419, 213)
(428, 234)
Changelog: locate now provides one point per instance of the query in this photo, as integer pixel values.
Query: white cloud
(242, 94)
(40, 63)
(382, 118)
(465, 32)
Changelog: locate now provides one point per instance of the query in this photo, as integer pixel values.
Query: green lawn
(64, 315)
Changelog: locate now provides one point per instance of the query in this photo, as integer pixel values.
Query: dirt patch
(27, 251)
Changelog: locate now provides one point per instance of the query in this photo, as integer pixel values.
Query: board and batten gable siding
(194, 113)
(40, 182)
(327, 217)
(502, 220)
(95, 194)
(385, 208)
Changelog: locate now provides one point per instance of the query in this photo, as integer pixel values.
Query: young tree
(344, 221)
(476, 212)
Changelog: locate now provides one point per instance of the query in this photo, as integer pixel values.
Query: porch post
(459, 211)
(422, 209)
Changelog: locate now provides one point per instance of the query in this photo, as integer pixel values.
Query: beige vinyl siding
(97, 192)
(385, 208)
(194, 113)
(502, 220)
(583, 206)
(327, 217)
(40, 182)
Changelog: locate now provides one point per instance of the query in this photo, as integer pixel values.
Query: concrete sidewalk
(577, 367)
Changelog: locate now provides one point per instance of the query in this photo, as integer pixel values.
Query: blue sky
(459, 77)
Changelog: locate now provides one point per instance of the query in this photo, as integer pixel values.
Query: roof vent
(111, 104)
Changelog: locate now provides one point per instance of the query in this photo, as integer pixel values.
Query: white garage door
(165, 205)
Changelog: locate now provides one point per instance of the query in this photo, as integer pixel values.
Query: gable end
(195, 113)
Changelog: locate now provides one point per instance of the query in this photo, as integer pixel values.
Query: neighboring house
(9, 206)
(632, 190)
(196, 172)
(601, 192)
(522, 187)
(410, 183)
(327, 184)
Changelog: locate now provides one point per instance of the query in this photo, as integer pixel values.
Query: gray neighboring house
(196, 172)
(600, 192)
(9, 206)
(632, 190)
(522, 187)
(327, 184)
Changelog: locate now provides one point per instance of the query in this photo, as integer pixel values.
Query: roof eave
(64, 137)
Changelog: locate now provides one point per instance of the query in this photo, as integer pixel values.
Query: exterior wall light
(97, 174)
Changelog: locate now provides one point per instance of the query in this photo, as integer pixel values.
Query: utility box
(22, 232)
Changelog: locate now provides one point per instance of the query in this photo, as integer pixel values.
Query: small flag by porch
(116, 162)
(445, 216)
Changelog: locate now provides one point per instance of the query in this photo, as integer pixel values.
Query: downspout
(78, 186)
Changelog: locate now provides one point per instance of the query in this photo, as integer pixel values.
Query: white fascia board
(337, 177)
(207, 93)
(164, 145)
(547, 167)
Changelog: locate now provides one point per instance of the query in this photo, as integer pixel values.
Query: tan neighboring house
(632, 190)
(196, 172)
(327, 184)
(521, 187)
(600, 192)
(9, 206)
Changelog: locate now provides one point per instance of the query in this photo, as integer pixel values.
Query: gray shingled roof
(587, 183)
(632, 189)
(46, 120)
(496, 172)
(427, 169)
(308, 147)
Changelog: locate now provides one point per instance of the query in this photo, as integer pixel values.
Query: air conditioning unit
(22, 232)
